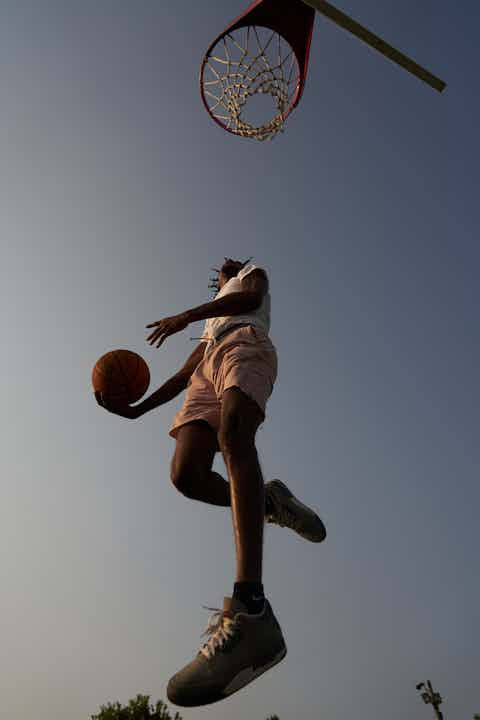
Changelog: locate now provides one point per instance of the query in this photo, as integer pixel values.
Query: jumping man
(229, 377)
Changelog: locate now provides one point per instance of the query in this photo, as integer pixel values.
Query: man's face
(222, 279)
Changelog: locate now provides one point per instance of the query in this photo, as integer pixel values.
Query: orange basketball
(121, 375)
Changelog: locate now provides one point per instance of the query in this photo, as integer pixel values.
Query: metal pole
(348, 23)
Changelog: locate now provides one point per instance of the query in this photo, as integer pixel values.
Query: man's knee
(239, 422)
(185, 477)
(236, 438)
(193, 457)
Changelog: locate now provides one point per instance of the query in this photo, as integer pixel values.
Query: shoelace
(220, 628)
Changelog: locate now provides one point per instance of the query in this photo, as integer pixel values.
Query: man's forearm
(235, 303)
(166, 392)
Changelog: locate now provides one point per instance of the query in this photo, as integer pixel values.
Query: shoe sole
(244, 677)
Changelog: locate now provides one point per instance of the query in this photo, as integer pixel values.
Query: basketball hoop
(263, 54)
(253, 74)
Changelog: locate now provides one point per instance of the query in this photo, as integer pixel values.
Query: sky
(117, 195)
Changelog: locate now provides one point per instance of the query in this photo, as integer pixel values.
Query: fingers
(165, 327)
(162, 332)
(153, 337)
(118, 407)
(101, 401)
(155, 334)
(160, 328)
(160, 337)
(99, 398)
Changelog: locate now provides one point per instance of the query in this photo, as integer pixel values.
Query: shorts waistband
(213, 341)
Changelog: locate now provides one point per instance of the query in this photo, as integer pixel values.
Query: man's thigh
(196, 445)
(200, 404)
(248, 363)
(239, 420)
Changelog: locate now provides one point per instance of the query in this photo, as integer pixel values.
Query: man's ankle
(251, 595)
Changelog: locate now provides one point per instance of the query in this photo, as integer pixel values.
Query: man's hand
(167, 326)
(118, 407)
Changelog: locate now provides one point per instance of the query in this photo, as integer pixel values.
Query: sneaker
(290, 512)
(240, 648)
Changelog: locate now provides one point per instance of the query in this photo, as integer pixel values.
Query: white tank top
(259, 318)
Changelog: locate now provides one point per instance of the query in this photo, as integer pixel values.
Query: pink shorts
(245, 358)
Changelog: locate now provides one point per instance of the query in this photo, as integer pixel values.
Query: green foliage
(476, 716)
(138, 709)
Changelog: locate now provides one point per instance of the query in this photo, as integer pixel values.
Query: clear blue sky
(117, 195)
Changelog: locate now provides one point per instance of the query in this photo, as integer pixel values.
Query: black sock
(251, 595)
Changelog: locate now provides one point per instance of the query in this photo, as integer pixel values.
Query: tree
(137, 709)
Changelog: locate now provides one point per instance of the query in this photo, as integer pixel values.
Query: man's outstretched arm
(235, 303)
(255, 286)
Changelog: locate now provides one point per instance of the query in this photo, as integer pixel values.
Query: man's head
(229, 269)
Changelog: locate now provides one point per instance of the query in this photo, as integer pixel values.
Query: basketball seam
(125, 377)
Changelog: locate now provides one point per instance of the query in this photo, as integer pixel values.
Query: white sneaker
(241, 647)
(289, 512)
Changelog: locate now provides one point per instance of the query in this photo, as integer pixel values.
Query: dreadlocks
(230, 268)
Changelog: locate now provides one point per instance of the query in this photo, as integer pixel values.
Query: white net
(249, 82)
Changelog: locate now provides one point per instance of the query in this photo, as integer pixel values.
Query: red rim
(292, 20)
